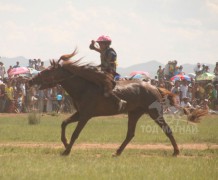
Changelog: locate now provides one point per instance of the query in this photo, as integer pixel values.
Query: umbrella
(139, 72)
(33, 71)
(205, 77)
(180, 77)
(140, 76)
(192, 75)
(19, 70)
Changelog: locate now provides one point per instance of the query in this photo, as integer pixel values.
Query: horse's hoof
(176, 153)
(65, 153)
(115, 155)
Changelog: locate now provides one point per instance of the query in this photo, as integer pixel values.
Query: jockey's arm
(93, 47)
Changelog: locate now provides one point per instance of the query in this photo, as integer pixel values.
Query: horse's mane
(90, 73)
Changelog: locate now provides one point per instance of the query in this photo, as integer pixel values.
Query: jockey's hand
(92, 45)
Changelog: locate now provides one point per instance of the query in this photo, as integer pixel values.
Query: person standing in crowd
(201, 91)
(203, 68)
(190, 93)
(196, 92)
(2, 97)
(172, 67)
(176, 87)
(167, 71)
(38, 64)
(180, 70)
(41, 100)
(22, 88)
(19, 102)
(215, 71)
(17, 65)
(198, 69)
(216, 98)
(108, 64)
(41, 67)
(9, 90)
(30, 63)
(59, 98)
(9, 70)
(2, 70)
(183, 89)
(160, 73)
(49, 100)
(207, 69)
(176, 72)
(210, 94)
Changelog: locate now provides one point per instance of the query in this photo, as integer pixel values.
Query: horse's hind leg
(159, 119)
(71, 119)
(133, 118)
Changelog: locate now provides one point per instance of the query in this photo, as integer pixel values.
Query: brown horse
(86, 85)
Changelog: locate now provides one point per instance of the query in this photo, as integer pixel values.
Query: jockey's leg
(120, 103)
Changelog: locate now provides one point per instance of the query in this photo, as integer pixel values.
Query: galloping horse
(86, 85)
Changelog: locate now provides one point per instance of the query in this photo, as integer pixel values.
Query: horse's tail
(196, 114)
(167, 96)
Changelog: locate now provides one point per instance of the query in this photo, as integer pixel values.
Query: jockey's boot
(121, 104)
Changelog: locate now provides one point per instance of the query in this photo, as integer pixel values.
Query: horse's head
(49, 77)
(52, 75)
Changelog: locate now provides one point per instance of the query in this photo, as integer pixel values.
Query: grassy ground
(46, 163)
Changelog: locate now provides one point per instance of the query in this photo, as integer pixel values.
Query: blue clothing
(59, 97)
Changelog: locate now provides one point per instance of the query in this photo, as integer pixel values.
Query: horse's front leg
(84, 113)
(71, 119)
(75, 135)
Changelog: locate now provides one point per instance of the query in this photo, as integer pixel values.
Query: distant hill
(150, 66)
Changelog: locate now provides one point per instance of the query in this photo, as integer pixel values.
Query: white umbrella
(192, 75)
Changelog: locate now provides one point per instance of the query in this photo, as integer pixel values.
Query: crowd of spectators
(190, 92)
(16, 97)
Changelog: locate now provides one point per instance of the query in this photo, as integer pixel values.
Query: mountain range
(151, 66)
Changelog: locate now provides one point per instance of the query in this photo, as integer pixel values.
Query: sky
(141, 30)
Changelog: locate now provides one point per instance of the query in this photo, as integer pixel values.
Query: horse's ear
(53, 63)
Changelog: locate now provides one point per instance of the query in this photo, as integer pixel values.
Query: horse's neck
(75, 87)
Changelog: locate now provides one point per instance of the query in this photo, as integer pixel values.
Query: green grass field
(45, 162)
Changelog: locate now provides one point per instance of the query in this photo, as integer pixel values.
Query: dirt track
(110, 146)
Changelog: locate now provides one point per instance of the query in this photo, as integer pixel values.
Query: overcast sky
(141, 30)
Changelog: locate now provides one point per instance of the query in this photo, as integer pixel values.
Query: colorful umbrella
(140, 76)
(19, 70)
(33, 71)
(192, 75)
(139, 72)
(180, 77)
(205, 77)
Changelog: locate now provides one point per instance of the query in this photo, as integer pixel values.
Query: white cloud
(11, 8)
(138, 35)
(212, 5)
